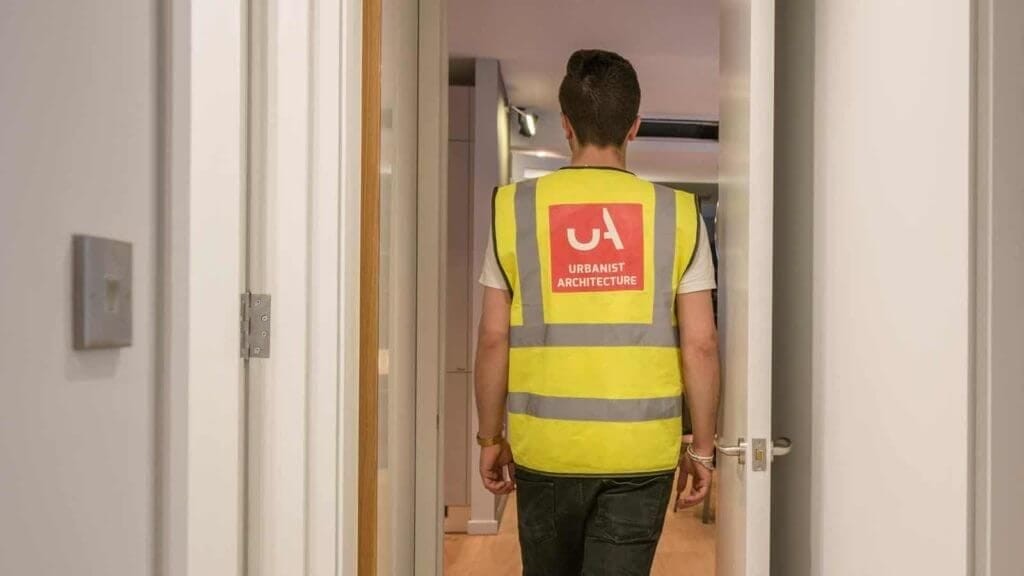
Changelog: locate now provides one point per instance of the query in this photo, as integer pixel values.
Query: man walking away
(597, 308)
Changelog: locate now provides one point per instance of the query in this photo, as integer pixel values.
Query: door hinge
(255, 325)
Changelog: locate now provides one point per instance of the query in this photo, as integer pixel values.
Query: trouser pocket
(631, 510)
(536, 507)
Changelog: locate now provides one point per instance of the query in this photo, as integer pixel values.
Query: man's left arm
(699, 342)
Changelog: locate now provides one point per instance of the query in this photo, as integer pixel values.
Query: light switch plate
(102, 293)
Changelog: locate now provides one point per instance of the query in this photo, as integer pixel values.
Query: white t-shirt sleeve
(700, 276)
(491, 275)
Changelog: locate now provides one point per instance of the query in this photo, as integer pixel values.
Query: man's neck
(607, 157)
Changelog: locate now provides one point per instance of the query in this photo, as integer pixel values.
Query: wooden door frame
(369, 281)
(432, 114)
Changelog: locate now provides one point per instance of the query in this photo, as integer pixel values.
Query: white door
(745, 248)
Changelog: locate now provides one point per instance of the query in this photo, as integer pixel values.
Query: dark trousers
(590, 526)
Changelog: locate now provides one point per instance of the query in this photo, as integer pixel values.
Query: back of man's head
(600, 95)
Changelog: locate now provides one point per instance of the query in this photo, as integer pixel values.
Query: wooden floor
(687, 548)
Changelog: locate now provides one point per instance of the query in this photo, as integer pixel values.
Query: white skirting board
(482, 527)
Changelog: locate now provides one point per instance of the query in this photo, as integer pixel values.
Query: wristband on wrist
(705, 461)
(492, 441)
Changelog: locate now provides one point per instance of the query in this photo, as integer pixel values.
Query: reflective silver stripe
(664, 254)
(595, 409)
(534, 332)
(527, 253)
(661, 335)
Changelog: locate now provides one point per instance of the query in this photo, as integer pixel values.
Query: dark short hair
(601, 96)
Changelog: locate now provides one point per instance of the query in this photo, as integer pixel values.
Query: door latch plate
(759, 449)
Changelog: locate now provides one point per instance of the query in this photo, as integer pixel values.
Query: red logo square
(597, 247)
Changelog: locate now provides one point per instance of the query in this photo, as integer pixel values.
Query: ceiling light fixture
(527, 122)
(678, 129)
(547, 154)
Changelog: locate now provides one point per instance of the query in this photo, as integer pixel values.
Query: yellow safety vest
(593, 258)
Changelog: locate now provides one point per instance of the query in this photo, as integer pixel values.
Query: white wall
(892, 277)
(78, 154)
(490, 168)
(460, 285)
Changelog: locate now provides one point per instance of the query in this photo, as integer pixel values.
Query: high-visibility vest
(593, 258)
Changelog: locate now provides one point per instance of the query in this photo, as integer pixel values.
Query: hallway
(241, 245)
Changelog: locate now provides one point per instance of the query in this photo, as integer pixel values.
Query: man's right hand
(701, 483)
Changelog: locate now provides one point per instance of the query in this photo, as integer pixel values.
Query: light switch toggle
(113, 294)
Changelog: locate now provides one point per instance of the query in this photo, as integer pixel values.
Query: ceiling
(672, 43)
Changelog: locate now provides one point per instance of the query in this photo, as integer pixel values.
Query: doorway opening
(507, 65)
(499, 120)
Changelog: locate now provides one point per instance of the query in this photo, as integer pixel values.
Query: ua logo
(596, 247)
(611, 233)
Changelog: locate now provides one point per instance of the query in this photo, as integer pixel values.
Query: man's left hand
(701, 483)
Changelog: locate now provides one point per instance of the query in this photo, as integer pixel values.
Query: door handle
(781, 446)
(739, 449)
